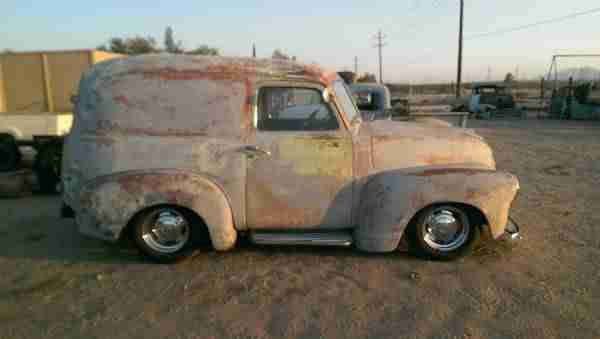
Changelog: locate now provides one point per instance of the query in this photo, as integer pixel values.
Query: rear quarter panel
(108, 203)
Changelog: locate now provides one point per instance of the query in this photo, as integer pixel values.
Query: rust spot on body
(105, 128)
(122, 100)
(438, 159)
(445, 171)
(211, 73)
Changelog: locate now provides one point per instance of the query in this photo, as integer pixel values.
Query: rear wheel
(10, 157)
(443, 232)
(48, 167)
(167, 234)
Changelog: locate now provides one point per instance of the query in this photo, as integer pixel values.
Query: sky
(421, 35)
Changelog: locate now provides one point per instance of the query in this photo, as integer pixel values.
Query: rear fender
(390, 200)
(108, 203)
(11, 131)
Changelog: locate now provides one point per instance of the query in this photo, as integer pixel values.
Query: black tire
(10, 156)
(422, 234)
(48, 167)
(172, 251)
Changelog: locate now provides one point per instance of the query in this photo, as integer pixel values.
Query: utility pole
(379, 44)
(254, 50)
(460, 49)
(356, 65)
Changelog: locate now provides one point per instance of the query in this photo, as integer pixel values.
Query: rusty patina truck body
(171, 146)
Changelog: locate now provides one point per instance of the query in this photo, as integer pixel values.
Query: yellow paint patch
(316, 156)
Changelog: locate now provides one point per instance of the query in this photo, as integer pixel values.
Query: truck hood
(405, 145)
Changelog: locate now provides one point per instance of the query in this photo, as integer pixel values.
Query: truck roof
(180, 95)
(191, 67)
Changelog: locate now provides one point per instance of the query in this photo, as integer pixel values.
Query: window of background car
(294, 109)
(367, 101)
(344, 96)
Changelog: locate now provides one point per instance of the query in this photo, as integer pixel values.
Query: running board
(307, 239)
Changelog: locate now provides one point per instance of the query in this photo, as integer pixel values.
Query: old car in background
(174, 150)
(375, 103)
(489, 100)
(373, 100)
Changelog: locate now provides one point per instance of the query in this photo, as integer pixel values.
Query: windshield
(344, 96)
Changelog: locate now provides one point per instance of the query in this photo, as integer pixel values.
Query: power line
(511, 30)
(534, 24)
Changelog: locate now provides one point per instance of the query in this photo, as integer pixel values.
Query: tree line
(143, 45)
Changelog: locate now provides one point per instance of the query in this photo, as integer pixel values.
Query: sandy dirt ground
(55, 283)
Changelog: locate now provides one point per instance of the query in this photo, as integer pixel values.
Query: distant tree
(170, 45)
(7, 51)
(367, 77)
(118, 45)
(509, 78)
(278, 54)
(131, 46)
(145, 45)
(204, 50)
(141, 45)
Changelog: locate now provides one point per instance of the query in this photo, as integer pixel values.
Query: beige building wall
(64, 71)
(99, 56)
(23, 83)
(36, 82)
(2, 99)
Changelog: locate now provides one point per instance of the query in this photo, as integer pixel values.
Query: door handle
(253, 150)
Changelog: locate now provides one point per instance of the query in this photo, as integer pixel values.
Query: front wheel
(443, 232)
(165, 234)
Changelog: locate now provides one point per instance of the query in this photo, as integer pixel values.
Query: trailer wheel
(10, 156)
(48, 167)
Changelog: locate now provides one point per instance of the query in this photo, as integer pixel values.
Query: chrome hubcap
(166, 231)
(446, 229)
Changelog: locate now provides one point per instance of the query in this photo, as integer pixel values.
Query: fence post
(47, 85)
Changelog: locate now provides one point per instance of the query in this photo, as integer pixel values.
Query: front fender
(390, 199)
(108, 203)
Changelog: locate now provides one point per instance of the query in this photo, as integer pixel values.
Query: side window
(294, 109)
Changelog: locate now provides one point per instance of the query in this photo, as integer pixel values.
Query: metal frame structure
(554, 64)
(554, 68)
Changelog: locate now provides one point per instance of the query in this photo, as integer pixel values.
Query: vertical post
(3, 103)
(254, 50)
(463, 120)
(356, 65)
(380, 45)
(555, 74)
(569, 99)
(47, 84)
(460, 49)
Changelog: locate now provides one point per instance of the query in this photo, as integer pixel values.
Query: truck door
(299, 172)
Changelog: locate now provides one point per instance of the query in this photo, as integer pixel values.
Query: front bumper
(512, 231)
